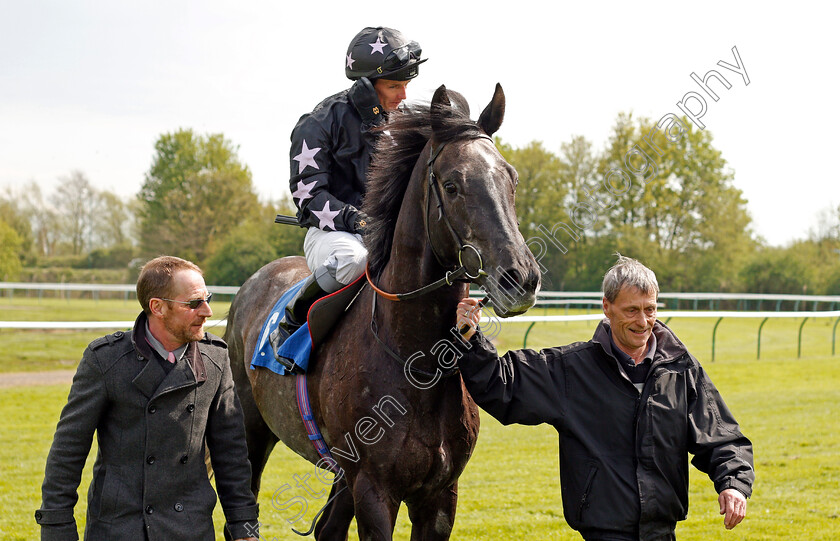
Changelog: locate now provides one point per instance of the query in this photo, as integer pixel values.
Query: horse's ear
(441, 108)
(492, 116)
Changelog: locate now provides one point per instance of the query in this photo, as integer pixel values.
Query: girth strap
(311, 426)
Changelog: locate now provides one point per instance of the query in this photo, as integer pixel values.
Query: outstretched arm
(521, 386)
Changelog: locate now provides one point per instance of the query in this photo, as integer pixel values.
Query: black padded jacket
(329, 156)
(623, 454)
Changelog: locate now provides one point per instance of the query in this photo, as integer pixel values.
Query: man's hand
(733, 505)
(469, 314)
(366, 101)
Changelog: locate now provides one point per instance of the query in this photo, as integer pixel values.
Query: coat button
(149, 509)
(152, 408)
(179, 507)
(38, 515)
(191, 408)
(150, 459)
(118, 334)
(184, 459)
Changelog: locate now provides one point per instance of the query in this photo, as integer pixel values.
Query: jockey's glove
(366, 101)
(360, 223)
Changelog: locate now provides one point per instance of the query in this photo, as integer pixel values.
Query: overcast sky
(90, 86)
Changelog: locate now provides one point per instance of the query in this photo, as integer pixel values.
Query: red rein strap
(385, 294)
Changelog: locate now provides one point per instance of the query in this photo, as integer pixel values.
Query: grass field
(510, 489)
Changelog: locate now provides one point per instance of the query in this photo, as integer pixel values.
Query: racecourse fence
(739, 304)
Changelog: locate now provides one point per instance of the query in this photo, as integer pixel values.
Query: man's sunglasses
(193, 304)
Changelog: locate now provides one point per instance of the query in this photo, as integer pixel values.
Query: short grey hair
(628, 272)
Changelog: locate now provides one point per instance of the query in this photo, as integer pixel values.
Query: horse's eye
(450, 188)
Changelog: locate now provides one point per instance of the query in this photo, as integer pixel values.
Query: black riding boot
(317, 284)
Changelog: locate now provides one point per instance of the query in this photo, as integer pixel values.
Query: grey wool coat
(149, 478)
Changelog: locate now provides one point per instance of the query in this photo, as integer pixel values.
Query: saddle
(287, 355)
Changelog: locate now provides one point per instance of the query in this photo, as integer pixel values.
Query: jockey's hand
(360, 223)
(468, 314)
(366, 101)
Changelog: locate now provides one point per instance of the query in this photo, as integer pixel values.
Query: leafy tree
(10, 247)
(286, 239)
(113, 221)
(76, 203)
(254, 243)
(43, 219)
(195, 191)
(16, 218)
(542, 189)
(773, 270)
(239, 255)
(676, 207)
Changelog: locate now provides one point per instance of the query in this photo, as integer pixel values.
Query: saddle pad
(322, 317)
(299, 343)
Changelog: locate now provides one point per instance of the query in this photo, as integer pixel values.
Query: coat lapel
(150, 377)
(179, 377)
(152, 380)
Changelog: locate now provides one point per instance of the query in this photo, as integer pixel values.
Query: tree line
(660, 193)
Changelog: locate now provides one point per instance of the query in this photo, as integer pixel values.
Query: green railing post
(799, 345)
(714, 332)
(834, 335)
(525, 340)
(758, 351)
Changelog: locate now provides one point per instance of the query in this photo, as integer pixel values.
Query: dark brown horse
(440, 197)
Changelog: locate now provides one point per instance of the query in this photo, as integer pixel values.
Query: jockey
(330, 154)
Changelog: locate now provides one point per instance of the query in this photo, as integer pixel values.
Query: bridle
(462, 273)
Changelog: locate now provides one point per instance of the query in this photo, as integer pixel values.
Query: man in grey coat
(154, 396)
(629, 406)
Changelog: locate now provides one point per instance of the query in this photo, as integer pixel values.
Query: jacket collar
(668, 346)
(152, 379)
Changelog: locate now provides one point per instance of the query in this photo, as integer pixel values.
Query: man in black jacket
(629, 406)
(154, 396)
(330, 155)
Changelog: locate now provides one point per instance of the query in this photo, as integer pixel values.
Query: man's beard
(186, 333)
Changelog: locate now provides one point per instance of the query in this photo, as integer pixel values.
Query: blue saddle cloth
(297, 347)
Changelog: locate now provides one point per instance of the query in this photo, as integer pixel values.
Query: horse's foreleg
(432, 518)
(335, 522)
(376, 511)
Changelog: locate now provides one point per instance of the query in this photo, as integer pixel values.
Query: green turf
(510, 489)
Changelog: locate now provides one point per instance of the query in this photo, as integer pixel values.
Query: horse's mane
(397, 150)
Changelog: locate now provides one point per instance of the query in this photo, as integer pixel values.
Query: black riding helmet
(382, 53)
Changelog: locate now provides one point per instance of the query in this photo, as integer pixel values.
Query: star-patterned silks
(326, 216)
(306, 157)
(303, 191)
(350, 60)
(377, 46)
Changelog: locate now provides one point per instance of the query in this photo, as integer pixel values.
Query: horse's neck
(418, 323)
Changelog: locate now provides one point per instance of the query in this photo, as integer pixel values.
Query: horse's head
(470, 213)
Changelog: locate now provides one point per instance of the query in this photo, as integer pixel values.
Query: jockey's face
(391, 93)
